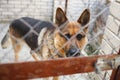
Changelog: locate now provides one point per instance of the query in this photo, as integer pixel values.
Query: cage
(98, 60)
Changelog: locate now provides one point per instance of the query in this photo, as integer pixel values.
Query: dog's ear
(84, 18)
(60, 17)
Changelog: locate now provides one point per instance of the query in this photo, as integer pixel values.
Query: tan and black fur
(61, 34)
(46, 39)
(77, 38)
(20, 28)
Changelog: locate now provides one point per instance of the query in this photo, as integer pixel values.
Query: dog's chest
(47, 44)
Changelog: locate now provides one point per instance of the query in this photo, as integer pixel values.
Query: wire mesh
(103, 35)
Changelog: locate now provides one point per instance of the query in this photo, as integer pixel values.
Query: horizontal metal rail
(56, 67)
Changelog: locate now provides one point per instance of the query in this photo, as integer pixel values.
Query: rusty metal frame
(116, 72)
(66, 6)
(46, 68)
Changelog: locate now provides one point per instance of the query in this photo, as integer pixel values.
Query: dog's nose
(73, 52)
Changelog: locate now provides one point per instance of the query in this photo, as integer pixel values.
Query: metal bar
(117, 77)
(116, 72)
(66, 5)
(46, 68)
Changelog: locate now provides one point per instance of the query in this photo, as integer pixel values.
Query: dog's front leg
(55, 78)
(34, 55)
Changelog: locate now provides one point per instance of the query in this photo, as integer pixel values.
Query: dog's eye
(79, 36)
(68, 35)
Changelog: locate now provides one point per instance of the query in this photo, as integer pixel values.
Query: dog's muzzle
(73, 52)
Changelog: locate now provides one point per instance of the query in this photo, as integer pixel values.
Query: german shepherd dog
(45, 39)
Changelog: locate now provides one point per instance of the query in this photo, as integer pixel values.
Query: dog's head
(71, 37)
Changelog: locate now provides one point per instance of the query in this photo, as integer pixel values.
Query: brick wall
(11, 9)
(111, 41)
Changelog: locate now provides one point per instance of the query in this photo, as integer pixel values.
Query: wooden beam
(46, 68)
